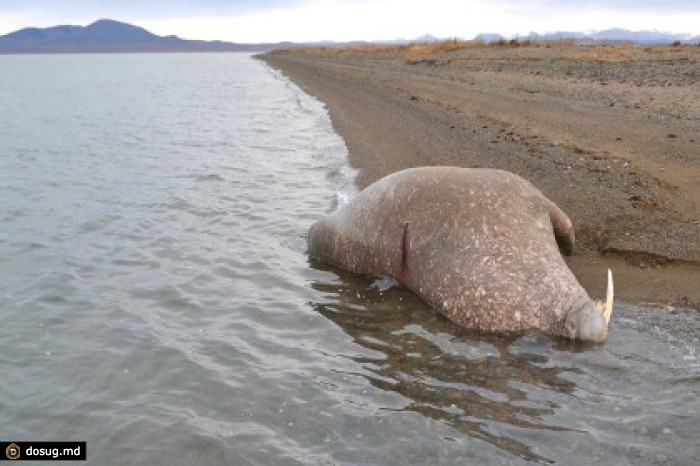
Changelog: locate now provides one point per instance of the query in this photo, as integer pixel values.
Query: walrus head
(592, 320)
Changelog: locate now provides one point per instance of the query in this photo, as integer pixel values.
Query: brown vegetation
(571, 49)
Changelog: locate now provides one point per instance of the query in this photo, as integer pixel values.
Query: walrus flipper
(563, 229)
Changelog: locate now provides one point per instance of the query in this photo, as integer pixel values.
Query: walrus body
(478, 245)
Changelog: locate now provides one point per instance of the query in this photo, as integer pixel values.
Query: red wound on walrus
(405, 249)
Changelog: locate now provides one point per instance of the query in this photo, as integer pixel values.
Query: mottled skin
(478, 245)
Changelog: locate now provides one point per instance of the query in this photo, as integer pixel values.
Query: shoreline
(629, 178)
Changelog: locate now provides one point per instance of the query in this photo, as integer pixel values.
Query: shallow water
(157, 301)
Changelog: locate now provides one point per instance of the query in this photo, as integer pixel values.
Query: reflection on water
(541, 399)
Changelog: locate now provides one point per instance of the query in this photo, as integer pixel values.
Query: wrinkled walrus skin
(478, 245)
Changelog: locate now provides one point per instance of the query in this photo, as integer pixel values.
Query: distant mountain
(107, 35)
(643, 37)
(607, 35)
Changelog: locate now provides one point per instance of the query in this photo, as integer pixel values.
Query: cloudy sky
(342, 20)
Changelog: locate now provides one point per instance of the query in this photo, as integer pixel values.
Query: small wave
(341, 199)
(384, 284)
(210, 177)
(295, 243)
(342, 179)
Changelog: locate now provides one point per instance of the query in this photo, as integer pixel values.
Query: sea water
(157, 301)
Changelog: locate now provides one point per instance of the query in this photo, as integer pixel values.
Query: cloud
(631, 6)
(392, 19)
(80, 11)
(15, 14)
(342, 21)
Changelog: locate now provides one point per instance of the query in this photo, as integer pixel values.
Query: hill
(108, 35)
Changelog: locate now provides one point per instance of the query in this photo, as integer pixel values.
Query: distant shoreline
(607, 132)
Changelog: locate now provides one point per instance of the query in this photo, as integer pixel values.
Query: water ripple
(157, 300)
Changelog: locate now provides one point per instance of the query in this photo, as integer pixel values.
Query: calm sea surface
(157, 301)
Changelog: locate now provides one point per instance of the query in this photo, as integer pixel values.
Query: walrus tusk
(607, 308)
(609, 299)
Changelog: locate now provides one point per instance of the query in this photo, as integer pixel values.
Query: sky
(249, 21)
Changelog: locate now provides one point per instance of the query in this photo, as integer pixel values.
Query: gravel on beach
(611, 133)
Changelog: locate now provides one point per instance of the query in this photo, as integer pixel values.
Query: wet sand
(611, 134)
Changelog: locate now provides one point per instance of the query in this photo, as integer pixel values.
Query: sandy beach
(610, 133)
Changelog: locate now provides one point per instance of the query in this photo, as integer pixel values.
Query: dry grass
(373, 49)
(574, 50)
(429, 48)
(363, 49)
(603, 53)
(658, 50)
(631, 52)
(417, 50)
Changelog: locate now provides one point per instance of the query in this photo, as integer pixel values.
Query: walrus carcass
(481, 246)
